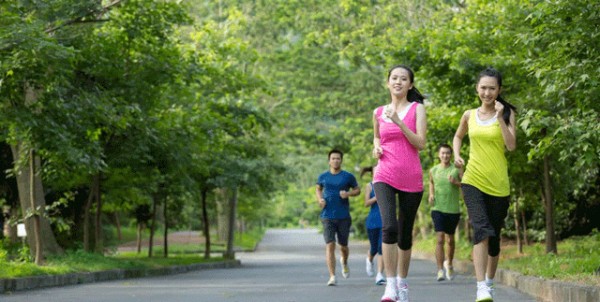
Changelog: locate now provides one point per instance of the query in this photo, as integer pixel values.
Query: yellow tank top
(487, 168)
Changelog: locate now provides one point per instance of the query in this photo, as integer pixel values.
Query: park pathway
(288, 266)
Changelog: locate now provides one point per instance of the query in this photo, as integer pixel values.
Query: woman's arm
(508, 131)
(369, 201)
(377, 150)
(416, 139)
(463, 128)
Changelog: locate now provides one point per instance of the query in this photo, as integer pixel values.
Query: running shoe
(345, 268)
(403, 293)
(490, 285)
(483, 293)
(380, 279)
(331, 281)
(369, 268)
(449, 271)
(390, 294)
(440, 275)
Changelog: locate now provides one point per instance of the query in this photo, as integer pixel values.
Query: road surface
(287, 266)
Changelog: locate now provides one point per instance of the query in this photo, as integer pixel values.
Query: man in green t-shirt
(444, 185)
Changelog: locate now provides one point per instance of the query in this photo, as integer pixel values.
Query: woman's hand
(390, 113)
(377, 151)
(499, 107)
(459, 162)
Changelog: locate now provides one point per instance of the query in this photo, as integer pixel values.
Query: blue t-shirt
(374, 218)
(332, 184)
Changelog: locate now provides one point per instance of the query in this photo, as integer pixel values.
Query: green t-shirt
(446, 194)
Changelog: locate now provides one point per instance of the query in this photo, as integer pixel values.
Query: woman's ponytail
(414, 95)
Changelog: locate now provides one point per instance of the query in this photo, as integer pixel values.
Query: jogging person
(444, 190)
(399, 129)
(334, 187)
(485, 185)
(373, 225)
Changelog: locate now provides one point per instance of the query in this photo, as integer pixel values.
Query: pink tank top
(399, 166)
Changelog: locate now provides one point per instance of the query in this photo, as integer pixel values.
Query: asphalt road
(288, 266)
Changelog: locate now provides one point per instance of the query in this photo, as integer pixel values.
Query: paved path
(288, 266)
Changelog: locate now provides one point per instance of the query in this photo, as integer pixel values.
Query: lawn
(578, 258)
(80, 261)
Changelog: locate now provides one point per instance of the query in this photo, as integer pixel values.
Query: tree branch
(81, 19)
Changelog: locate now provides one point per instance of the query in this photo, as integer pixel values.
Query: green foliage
(79, 261)
(576, 262)
(175, 98)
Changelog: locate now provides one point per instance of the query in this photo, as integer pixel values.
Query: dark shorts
(398, 212)
(339, 227)
(486, 215)
(375, 237)
(445, 222)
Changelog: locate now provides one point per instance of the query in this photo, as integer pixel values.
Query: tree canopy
(184, 97)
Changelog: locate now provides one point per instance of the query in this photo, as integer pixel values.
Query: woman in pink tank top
(399, 133)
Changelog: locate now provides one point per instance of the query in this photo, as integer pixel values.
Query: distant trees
(330, 59)
(127, 102)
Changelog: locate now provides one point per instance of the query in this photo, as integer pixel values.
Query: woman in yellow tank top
(485, 184)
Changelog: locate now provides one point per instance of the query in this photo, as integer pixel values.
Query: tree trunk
(524, 222)
(230, 254)
(35, 215)
(140, 228)
(550, 236)
(118, 225)
(12, 229)
(49, 244)
(99, 242)
(205, 226)
(153, 224)
(86, 216)
(517, 227)
(222, 213)
(166, 231)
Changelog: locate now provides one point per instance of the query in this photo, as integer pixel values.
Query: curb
(36, 282)
(541, 289)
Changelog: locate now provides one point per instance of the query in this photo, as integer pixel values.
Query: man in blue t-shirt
(333, 189)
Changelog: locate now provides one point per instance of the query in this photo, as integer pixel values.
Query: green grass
(577, 260)
(79, 261)
(248, 241)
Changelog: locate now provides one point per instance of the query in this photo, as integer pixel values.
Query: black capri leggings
(397, 228)
(486, 214)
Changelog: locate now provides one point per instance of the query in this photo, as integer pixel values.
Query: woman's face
(399, 82)
(488, 89)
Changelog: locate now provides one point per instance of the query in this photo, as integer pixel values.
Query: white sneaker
(440, 275)
(345, 268)
(403, 293)
(369, 266)
(331, 281)
(449, 271)
(490, 286)
(380, 279)
(483, 293)
(390, 294)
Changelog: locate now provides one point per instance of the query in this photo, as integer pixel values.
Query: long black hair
(491, 72)
(413, 94)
